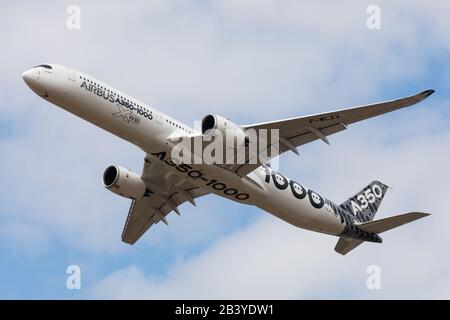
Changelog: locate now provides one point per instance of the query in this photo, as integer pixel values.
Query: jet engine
(124, 182)
(229, 130)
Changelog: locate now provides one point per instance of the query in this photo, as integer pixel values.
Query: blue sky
(249, 61)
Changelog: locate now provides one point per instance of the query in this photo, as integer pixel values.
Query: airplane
(165, 183)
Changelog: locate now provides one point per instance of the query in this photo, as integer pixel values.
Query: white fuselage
(148, 129)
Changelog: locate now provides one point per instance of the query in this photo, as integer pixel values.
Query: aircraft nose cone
(29, 76)
(33, 81)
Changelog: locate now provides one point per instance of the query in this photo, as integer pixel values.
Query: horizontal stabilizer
(345, 245)
(386, 224)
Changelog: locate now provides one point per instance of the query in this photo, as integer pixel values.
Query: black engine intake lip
(208, 123)
(110, 176)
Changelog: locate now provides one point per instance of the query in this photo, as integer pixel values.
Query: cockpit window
(46, 66)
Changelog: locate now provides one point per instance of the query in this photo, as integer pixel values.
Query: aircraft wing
(166, 192)
(295, 132)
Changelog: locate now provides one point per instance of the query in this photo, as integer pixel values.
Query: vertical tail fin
(365, 203)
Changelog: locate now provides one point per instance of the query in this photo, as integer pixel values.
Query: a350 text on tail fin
(364, 205)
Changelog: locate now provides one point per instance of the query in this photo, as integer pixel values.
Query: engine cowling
(124, 182)
(227, 128)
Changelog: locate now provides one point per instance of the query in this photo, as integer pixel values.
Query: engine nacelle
(124, 182)
(228, 129)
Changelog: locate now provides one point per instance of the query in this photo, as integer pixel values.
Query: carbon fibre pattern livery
(364, 205)
(346, 217)
(354, 232)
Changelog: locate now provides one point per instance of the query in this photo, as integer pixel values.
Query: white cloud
(28, 236)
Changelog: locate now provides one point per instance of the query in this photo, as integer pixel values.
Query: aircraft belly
(304, 216)
(296, 205)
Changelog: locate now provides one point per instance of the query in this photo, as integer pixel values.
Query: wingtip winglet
(427, 93)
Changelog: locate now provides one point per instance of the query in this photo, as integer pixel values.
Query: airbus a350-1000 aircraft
(165, 183)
